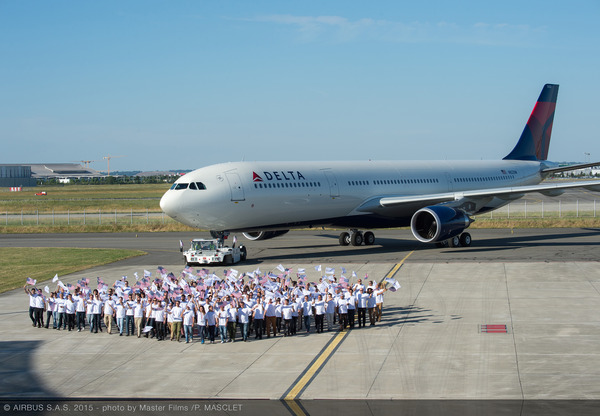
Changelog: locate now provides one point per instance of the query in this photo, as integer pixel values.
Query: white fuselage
(251, 196)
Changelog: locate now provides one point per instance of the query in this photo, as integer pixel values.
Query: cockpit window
(200, 185)
(193, 186)
(179, 186)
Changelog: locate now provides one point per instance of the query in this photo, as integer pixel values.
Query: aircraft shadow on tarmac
(393, 246)
(18, 377)
(408, 315)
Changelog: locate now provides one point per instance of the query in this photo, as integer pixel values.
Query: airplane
(437, 199)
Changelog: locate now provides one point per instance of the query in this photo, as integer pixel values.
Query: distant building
(16, 175)
(27, 174)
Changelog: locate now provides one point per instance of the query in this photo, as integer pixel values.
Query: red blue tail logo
(535, 139)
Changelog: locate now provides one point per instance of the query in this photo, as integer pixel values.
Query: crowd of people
(200, 304)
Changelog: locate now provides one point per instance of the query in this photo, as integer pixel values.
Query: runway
(543, 286)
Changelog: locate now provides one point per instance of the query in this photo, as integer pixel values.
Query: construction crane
(108, 158)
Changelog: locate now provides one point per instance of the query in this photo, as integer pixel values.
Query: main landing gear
(356, 238)
(464, 240)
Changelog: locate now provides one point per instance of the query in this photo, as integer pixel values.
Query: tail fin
(535, 139)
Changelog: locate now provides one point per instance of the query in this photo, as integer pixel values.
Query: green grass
(41, 264)
(78, 197)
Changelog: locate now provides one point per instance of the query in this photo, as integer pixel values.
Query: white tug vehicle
(208, 251)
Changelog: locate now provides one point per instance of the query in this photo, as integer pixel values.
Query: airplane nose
(169, 205)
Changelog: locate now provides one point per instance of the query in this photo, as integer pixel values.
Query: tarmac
(541, 306)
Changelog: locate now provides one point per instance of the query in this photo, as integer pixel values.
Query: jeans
(129, 323)
(120, 323)
(189, 334)
(244, 328)
(223, 332)
(307, 323)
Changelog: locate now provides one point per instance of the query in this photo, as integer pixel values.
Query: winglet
(535, 139)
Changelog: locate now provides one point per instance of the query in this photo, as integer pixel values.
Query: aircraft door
(334, 189)
(235, 184)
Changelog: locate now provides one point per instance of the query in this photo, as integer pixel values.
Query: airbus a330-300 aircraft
(436, 198)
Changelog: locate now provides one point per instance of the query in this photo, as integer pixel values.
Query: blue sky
(184, 84)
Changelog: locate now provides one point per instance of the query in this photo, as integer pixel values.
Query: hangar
(27, 174)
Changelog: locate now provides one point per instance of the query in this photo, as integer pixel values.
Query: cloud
(341, 29)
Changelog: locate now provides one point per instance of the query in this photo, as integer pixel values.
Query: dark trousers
(129, 324)
(351, 317)
(80, 320)
(32, 314)
(343, 321)
(160, 330)
(71, 321)
(62, 320)
(39, 317)
(258, 328)
(287, 327)
(319, 322)
(95, 323)
(211, 333)
(362, 317)
(48, 316)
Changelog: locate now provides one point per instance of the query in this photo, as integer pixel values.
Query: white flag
(281, 268)
(318, 268)
(55, 278)
(47, 289)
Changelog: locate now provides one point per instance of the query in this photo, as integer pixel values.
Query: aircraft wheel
(369, 238)
(356, 239)
(344, 239)
(465, 240)
(455, 242)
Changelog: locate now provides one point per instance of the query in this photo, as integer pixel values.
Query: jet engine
(264, 235)
(438, 223)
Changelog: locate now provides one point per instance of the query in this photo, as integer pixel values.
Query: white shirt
(188, 317)
(319, 307)
(286, 311)
(177, 313)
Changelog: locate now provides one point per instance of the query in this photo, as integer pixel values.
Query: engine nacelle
(264, 235)
(438, 223)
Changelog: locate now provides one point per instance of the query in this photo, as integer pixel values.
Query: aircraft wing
(380, 204)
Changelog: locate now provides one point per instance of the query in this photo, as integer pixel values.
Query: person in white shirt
(159, 319)
(40, 304)
(138, 315)
(211, 320)
(258, 314)
(109, 311)
(188, 323)
(129, 310)
(31, 293)
(120, 315)
(223, 318)
(177, 314)
(79, 299)
(231, 321)
(50, 310)
(286, 313)
(379, 301)
(361, 302)
(244, 313)
(306, 312)
(342, 307)
(351, 308)
(371, 306)
(96, 312)
(70, 311)
(319, 305)
(330, 311)
(60, 310)
(201, 322)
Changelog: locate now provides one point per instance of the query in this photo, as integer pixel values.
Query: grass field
(41, 264)
(78, 197)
